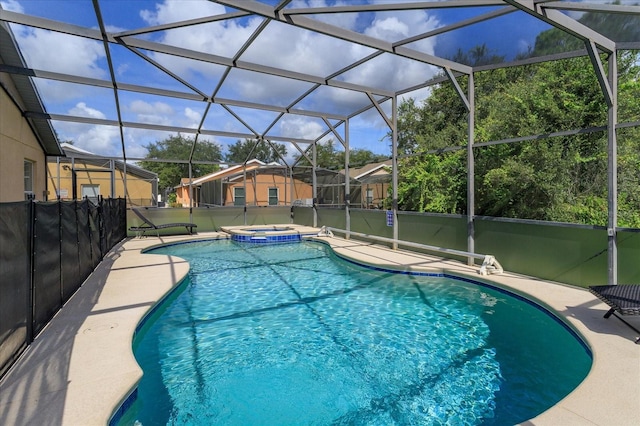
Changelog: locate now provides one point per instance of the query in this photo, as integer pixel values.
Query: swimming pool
(256, 337)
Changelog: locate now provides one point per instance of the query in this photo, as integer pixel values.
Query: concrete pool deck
(81, 367)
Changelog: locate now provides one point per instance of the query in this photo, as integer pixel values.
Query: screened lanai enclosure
(503, 127)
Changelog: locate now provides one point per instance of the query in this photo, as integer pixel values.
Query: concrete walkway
(81, 367)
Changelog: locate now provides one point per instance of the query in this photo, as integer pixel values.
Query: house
(253, 184)
(82, 174)
(25, 139)
(375, 180)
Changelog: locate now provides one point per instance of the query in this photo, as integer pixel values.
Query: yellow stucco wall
(139, 191)
(18, 143)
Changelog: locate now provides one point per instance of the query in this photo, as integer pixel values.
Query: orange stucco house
(253, 184)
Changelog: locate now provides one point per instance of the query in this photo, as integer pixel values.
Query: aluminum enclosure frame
(553, 13)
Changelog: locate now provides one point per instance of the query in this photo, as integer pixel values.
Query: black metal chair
(623, 299)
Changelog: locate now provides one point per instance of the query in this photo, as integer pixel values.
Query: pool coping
(81, 367)
(278, 233)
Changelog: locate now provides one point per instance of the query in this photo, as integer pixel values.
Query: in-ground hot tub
(279, 233)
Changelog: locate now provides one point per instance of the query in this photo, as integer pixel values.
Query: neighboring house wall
(257, 190)
(182, 195)
(17, 145)
(139, 190)
(373, 195)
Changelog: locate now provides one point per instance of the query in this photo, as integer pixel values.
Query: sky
(278, 44)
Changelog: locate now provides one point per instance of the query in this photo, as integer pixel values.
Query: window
(273, 196)
(28, 176)
(369, 196)
(28, 179)
(90, 191)
(238, 196)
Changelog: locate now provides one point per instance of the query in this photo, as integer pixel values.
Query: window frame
(28, 176)
(95, 195)
(237, 197)
(277, 196)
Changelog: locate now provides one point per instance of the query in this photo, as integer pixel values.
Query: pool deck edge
(81, 367)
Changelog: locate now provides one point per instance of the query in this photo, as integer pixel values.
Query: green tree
(559, 178)
(328, 157)
(478, 55)
(360, 157)
(179, 148)
(242, 151)
(629, 141)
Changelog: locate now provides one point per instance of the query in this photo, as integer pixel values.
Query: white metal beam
(599, 70)
(563, 22)
(341, 33)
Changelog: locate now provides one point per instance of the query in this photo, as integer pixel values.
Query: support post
(612, 172)
(347, 179)
(314, 182)
(394, 168)
(471, 194)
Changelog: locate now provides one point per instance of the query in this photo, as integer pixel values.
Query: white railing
(489, 263)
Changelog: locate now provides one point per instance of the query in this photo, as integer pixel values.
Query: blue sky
(297, 49)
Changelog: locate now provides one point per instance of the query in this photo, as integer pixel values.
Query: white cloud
(390, 28)
(178, 10)
(284, 46)
(82, 110)
(192, 116)
(152, 113)
(150, 108)
(300, 127)
(12, 5)
(221, 38)
(103, 140)
(51, 51)
(97, 139)
(385, 71)
(341, 20)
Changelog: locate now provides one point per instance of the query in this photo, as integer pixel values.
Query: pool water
(289, 334)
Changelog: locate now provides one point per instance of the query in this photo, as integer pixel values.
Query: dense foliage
(329, 157)
(549, 177)
(179, 147)
(248, 149)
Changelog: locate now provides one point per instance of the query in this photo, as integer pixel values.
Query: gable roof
(221, 174)
(25, 96)
(72, 152)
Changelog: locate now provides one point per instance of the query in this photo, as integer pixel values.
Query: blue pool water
(288, 334)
